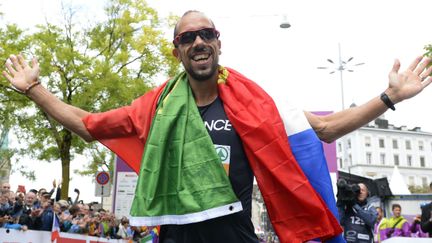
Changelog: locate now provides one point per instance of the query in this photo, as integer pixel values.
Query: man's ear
(176, 53)
(220, 45)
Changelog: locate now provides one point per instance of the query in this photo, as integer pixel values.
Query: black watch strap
(387, 101)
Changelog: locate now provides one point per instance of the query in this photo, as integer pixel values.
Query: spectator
(396, 225)
(64, 206)
(93, 226)
(28, 210)
(44, 220)
(124, 229)
(5, 187)
(379, 225)
(5, 207)
(426, 218)
(416, 231)
(12, 197)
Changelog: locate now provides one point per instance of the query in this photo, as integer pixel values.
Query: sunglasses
(207, 34)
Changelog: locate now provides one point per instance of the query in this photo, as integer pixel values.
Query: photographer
(357, 216)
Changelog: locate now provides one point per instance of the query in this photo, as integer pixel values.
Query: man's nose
(198, 40)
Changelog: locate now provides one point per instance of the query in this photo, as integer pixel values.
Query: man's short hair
(396, 206)
(34, 191)
(63, 204)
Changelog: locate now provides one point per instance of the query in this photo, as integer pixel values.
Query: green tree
(14, 40)
(97, 68)
(428, 49)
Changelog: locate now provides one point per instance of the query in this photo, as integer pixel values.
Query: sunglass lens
(207, 34)
(187, 37)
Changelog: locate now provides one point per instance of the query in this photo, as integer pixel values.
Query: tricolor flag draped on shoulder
(309, 153)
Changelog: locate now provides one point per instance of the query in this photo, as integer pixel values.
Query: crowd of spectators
(397, 225)
(36, 209)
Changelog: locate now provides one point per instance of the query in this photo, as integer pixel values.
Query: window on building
(339, 147)
(411, 181)
(381, 143)
(395, 144)
(349, 143)
(424, 182)
(409, 160)
(367, 141)
(408, 144)
(396, 159)
(382, 159)
(422, 161)
(420, 145)
(368, 158)
(340, 163)
(350, 160)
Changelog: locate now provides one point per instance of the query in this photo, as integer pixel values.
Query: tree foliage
(97, 68)
(428, 49)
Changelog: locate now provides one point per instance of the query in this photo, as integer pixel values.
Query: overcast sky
(285, 61)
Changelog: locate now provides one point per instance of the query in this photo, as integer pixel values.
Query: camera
(347, 193)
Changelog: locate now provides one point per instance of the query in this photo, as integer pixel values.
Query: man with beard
(182, 184)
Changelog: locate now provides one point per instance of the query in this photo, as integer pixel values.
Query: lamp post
(340, 67)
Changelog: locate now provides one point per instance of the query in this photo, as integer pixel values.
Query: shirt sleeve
(124, 130)
(111, 124)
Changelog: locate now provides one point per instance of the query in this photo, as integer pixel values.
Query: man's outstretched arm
(402, 85)
(25, 79)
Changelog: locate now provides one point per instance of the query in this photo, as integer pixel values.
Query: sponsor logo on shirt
(217, 125)
(224, 153)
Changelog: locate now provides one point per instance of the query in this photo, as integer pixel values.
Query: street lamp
(340, 67)
(285, 24)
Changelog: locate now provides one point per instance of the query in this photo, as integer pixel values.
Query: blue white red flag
(55, 231)
(308, 151)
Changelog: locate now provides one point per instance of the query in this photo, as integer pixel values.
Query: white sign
(103, 190)
(125, 191)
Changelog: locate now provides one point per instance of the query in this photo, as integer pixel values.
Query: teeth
(200, 57)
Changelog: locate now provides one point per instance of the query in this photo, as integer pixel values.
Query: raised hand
(20, 74)
(406, 84)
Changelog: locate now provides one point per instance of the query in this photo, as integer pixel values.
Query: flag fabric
(198, 187)
(296, 210)
(55, 231)
(309, 153)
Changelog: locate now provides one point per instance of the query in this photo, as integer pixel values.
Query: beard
(203, 75)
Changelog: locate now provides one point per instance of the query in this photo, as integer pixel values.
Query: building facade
(375, 149)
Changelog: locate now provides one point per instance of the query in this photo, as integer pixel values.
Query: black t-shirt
(234, 228)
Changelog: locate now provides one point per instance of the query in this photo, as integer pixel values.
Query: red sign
(102, 178)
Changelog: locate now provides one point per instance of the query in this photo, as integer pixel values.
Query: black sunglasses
(207, 34)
